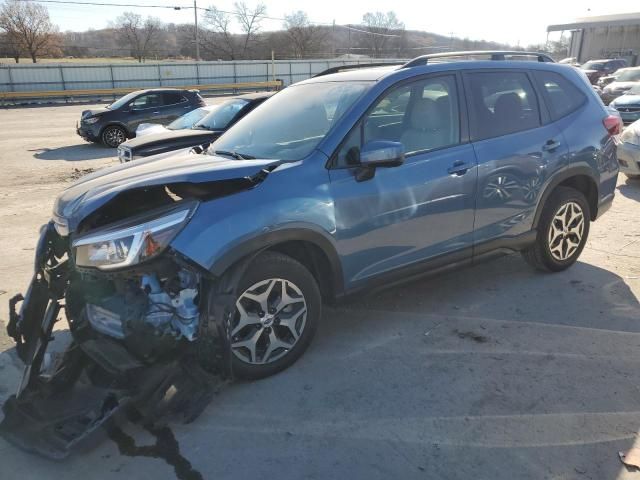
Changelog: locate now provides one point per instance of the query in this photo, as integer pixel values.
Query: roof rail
(342, 68)
(492, 54)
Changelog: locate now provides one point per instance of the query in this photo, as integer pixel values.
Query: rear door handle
(550, 145)
(458, 168)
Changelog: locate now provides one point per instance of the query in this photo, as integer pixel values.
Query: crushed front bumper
(60, 402)
(87, 132)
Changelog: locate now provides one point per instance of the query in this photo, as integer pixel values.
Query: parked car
(628, 105)
(629, 150)
(573, 61)
(627, 79)
(599, 68)
(347, 182)
(114, 123)
(607, 79)
(185, 121)
(201, 133)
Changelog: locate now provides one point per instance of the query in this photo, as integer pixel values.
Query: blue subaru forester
(341, 183)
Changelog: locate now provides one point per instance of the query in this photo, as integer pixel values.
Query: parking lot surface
(493, 372)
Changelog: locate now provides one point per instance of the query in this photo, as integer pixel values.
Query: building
(606, 36)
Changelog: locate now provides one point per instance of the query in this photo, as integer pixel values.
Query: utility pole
(195, 16)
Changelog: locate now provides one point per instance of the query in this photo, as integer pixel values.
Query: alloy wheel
(114, 137)
(270, 319)
(566, 231)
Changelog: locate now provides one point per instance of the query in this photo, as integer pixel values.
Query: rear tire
(113, 136)
(563, 230)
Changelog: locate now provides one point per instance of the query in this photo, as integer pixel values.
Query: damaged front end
(148, 330)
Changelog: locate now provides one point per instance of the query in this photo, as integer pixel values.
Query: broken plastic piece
(631, 458)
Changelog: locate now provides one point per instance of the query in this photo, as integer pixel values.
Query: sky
(504, 21)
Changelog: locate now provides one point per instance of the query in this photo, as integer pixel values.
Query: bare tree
(217, 37)
(381, 27)
(140, 35)
(250, 20)
(10, 46)
(303, 36)
(29, 28)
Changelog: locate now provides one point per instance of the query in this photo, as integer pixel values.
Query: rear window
(503, 103)
(562, 97)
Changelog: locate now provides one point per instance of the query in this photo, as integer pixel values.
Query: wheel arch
(116, 124)
(313, 249)
(579, 178)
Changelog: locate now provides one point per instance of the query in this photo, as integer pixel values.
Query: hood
(94, 111)
(96, 189)
(167, 136)
(627, 99)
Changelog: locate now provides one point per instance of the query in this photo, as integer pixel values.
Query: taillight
(613, 124)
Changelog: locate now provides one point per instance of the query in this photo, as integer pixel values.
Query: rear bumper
(604, 205)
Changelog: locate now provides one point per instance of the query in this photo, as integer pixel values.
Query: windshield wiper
(236, 155)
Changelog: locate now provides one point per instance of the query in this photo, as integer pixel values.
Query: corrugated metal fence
(69, 76)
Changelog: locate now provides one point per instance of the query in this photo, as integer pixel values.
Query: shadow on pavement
(630, 189)
(74, 153)
(492, 372)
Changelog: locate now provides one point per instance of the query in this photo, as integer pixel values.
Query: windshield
(219, 118)
(122, 101)
(591, 65)
(629, 76)
(290, 124)
(188, 119)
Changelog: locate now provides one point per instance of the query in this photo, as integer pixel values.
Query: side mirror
(379, 154)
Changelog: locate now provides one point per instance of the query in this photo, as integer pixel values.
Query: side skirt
(442, 263)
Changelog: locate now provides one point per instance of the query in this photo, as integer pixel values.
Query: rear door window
(501, 103)
(561, 96)
(148, 100)
(171, 98)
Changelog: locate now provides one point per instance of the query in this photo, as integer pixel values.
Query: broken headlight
(127, 244)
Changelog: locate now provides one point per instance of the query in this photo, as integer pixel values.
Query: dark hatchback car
(114, 123)
(594, 69)
(202, 133)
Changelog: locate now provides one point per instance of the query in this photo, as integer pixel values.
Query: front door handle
(551, 145)
(156, 113)
(458, 168)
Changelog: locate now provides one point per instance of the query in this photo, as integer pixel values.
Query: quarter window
(562, 96)
(422, 115)
(503, 103)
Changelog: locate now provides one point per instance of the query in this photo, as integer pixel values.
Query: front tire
(278, 308)
(113, 136)
(563, 230)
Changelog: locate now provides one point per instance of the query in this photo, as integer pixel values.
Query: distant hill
(177, 42)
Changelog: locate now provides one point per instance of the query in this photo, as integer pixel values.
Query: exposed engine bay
(151, 338)
(148, 328)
